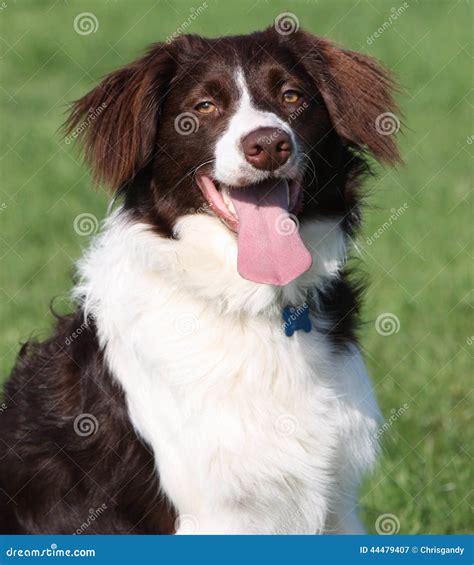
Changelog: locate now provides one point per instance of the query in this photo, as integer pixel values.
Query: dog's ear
(117, 120)
(358, 93)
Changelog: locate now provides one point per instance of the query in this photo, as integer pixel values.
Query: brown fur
(51, 477)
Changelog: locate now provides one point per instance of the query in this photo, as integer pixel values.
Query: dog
(210, 379)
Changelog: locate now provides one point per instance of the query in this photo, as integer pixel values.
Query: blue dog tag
(296, 318)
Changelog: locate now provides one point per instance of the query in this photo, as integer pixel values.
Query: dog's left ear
(358, 93)
(117, 121)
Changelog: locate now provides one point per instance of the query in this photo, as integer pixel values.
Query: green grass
(419, 266)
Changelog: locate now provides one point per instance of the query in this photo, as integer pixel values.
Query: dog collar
(296, 318)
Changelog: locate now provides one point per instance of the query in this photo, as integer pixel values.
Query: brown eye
(206, 107)
(291, 96)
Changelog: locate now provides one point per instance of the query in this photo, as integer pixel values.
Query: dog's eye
(206, 107)
(291, 96)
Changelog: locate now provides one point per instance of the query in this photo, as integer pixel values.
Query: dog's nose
(267, 148)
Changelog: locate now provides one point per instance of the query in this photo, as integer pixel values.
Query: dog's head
(258, 130)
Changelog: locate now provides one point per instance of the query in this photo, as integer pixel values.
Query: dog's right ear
(357, 91)
(117, 120)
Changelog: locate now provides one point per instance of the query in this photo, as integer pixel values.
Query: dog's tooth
(228, 201)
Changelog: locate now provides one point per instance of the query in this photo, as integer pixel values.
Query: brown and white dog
(210, 379)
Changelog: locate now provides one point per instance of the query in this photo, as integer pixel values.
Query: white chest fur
(253, 432)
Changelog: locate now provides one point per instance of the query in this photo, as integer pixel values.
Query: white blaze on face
(231, 168)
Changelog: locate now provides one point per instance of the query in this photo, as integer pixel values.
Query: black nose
(267, 148)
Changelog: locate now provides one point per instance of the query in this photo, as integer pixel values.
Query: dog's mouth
(270, 250)
(220, 197)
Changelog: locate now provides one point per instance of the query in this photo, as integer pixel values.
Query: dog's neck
(199, 262)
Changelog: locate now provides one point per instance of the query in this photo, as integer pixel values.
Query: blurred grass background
(420, 266)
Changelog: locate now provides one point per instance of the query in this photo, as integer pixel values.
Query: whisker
(310, 165)
(195, 170)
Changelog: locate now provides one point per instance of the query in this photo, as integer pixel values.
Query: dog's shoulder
(65, 424)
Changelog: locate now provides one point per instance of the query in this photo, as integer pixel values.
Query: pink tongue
(270, 250)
